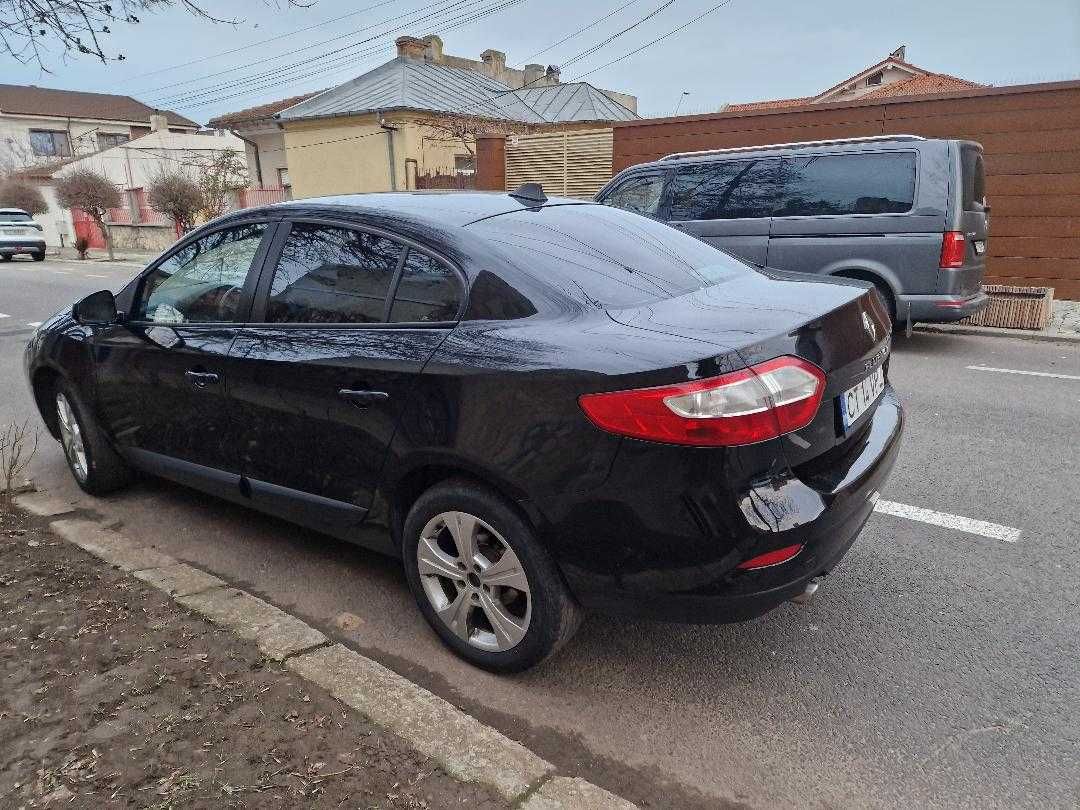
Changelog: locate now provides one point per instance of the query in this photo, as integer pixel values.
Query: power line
(627, 55)
(590, 51)
(255, 44)
(569, 37)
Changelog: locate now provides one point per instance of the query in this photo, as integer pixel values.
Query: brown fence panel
(1031, 136)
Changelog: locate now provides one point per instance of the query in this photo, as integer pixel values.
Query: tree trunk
(108, 239)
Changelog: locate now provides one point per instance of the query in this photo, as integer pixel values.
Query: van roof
(795, 145)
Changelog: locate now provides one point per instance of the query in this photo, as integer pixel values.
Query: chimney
(553, 74)
(159, 123)
(900, 53)
(410, 47)
(434, 45)
(494, 61)
(533, 74)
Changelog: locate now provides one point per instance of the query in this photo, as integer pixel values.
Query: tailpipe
(807, 595)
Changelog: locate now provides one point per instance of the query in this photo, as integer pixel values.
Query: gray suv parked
(908, 214)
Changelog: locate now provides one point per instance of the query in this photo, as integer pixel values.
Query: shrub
(93, 193)
(18, 194)
(177, 196)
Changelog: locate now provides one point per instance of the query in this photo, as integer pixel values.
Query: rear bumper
(939, 308)
(10, 247)
(670, 550)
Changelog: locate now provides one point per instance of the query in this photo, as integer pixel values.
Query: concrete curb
(992, 331)
(465, 748)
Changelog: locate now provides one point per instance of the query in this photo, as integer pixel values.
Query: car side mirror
(97, 309)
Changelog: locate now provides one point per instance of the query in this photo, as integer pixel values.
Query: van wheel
(483, 581)
(94, 464)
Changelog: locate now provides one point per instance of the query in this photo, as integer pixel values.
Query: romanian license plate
(857, 400)
(17, 231)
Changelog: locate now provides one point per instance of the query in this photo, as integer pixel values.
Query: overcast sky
(747, 50)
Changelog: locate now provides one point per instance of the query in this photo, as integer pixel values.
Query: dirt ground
(113, 696)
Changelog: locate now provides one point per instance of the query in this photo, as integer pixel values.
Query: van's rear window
(974, 178)
(605, 257)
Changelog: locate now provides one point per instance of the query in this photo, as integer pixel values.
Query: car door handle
(362, 399)
(201, 379)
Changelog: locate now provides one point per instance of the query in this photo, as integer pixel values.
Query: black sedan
(539, 405)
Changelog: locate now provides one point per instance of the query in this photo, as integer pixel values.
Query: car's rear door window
(428, 290)
(728, 189)
(203, 281)
(973, 180)
(869, 183)
(331, 274)
(642, 195)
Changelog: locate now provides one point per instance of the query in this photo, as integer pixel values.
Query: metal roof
(411, 84)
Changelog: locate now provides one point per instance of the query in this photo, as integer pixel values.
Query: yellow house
(412, 122)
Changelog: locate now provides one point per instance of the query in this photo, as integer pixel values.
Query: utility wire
(569, 37)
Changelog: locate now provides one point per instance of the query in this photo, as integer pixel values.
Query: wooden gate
(86, 228)
(576, 163)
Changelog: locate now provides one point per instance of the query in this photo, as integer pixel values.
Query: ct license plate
(857, 400)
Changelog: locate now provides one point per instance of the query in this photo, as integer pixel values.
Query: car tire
(94, 464)
(38, 257)
(4, 257)
(494, 626)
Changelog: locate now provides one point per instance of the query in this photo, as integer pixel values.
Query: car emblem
(868, 324)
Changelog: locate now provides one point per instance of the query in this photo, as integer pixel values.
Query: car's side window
(330, 274)
(848, 184)
(641, 195)
(203, 281)
(729, 189)
(428, 291)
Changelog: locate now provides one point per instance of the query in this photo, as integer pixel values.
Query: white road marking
(62, 272)
(994, 531)
(34, 324)
(94, 275)
(2, 315)
(1025, 373)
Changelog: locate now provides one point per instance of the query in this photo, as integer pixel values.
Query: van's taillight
(752, 405)
(953, 250)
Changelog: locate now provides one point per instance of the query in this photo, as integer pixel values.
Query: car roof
(436, 208)
(13, 211)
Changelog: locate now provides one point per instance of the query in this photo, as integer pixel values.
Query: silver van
(908, 214)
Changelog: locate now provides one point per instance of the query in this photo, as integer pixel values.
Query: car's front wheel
(482, 579)
(94, 464)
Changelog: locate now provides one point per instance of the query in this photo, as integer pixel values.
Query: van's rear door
(970, 215)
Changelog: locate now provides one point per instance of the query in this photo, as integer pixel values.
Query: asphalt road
(935, 668)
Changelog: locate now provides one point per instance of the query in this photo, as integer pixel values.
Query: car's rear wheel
(483, 581)
(94, 464)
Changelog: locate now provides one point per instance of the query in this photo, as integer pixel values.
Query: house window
(875, 79)
(107, 140)
(464, 164)
(49, 143)
(283, 181)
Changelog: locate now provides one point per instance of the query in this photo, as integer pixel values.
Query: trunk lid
(972, 219)
(839, 325)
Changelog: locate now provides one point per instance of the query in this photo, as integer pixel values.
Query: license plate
(856, 400)
(16, 231)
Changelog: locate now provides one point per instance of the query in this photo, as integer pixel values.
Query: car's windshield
(14, 216)
(605, 257)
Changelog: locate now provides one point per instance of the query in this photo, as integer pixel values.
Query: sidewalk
(114, 696)
(1064, 326)
(68, 254)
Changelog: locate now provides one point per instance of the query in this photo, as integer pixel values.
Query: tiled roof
(412, 84)
(769, 105)
(260, 113)
(921, 86)
(31, 100)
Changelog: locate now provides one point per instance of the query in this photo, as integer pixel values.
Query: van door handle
(362, 399)
(201, 379)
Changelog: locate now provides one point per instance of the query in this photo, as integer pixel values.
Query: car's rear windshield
(14, 216)
(605, 257)
(973, 180)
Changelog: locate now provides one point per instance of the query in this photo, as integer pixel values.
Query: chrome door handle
(201, 379)
(362, 399)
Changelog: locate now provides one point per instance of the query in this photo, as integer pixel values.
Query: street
(936, 667)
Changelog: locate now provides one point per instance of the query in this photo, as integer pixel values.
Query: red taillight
(758, 403)
(770, 558)
(953, 250)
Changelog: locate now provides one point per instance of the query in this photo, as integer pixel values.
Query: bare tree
(17, 450)
(178, 197)
(19, 194)
(29, 29)
(93, 193)
(466, 129)
(220, 175)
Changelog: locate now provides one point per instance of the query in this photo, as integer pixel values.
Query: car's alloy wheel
(474, 581)
(71, 438)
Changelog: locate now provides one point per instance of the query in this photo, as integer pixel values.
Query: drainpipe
(258, 163)
(390, 152)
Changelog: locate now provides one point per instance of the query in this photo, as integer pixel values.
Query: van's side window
(848, 184)
(731, 189)
(639, 194)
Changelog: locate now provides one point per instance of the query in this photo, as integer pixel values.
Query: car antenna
(531, 194)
